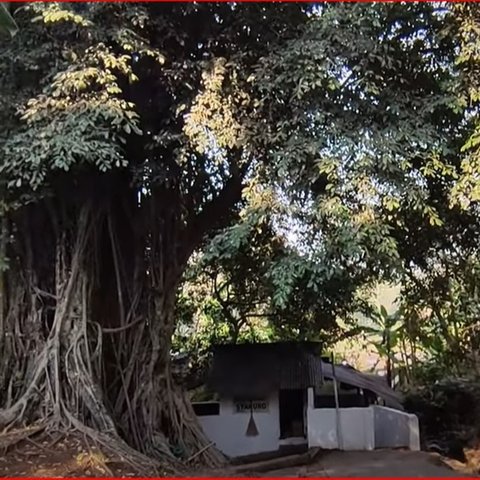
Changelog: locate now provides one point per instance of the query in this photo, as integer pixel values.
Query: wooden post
(337, 407)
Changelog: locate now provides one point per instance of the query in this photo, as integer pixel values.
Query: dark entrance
(291, 413)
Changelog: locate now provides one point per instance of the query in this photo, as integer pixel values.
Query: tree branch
(217, 213)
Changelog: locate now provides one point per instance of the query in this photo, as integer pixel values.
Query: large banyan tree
(132, 134)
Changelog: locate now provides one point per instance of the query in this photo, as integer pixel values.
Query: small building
(274, 396)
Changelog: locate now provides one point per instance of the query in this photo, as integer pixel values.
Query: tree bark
(90, 313)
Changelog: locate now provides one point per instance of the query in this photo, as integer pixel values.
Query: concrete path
(378, 463)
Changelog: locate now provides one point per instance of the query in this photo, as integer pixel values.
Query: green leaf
(7, 22)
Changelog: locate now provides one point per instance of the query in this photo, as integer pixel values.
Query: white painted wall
(362, 428)
(228, 429)
(395, 429)
(357, 426)
(357, 423)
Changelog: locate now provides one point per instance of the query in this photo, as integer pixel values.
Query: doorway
(291, 407)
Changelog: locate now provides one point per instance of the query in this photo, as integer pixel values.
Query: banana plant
(383, 332)
(8, 26)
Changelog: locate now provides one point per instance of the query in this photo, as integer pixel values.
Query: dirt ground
(60, 457)
(71, 458)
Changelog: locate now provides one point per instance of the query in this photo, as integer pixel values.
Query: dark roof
(254, 369)
(366, 381)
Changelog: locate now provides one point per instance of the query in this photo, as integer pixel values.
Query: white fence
(361, 428)
(394, 429)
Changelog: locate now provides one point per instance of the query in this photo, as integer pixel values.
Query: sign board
(251, 405)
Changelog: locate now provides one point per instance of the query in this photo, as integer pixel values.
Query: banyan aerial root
(64, 371)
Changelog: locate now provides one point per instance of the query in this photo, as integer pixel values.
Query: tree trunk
(163, 412)
(389, 360)
(162, 421)
(60, 355)
(88, 316)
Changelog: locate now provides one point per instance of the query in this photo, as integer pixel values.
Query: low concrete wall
(362, 428)
(357, 427)
(228, 429)
(395, 429)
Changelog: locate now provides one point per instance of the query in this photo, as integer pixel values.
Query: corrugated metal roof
(299, 371)
(255, 369)
(374, 383)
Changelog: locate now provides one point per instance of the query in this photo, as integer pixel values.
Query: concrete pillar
(414, 433)
(310, 398)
